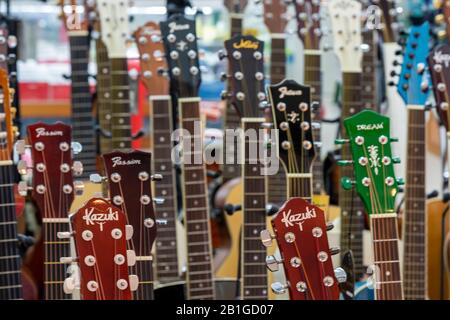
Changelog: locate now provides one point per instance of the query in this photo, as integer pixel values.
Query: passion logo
(42, 132)
(92, 218)
(173, 26)
(284, 91)
(246, 44)
(289, 219)
(117, 161)
(441, 58)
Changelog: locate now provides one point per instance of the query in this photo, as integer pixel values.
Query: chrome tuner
(67, 260)
(266, 238)
(78, 187)
(64, 235)
(23, 188)
(158, 200)
(21, 146)
(129, 231)
(161, 222)
(133, 281)
(278, 288)
(76, 147)
(96, 178)
(330, 226)
(77, 168)
(22, 167)
(69, 285)
(340, 274)
(156, 177)
(272, 263)
(131, 258)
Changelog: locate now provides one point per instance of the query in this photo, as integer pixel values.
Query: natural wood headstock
(151, 50)
(390, 26)
(73, 21)
(235, 6)
(114, 25)
(7, 131)
(129, 179)
(275, 15)
(301, 235)
(245, 56)
(100, 233)
(291, 109)
(308, 23)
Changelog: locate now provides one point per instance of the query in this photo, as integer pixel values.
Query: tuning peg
(224, 76)
(341, 141)
(64, 235)
(96, 178)
(271, 209)
(396, 160)
(77, 168)
(163, 72)
(76, 147)
(230, 209)
(133, 74)
(131, 258)
(394, 140)
(272, 263)
(213, 174)
(264, 105)
(317, 144)
(69, 285)
(334, 250)
(133, 281)
(12, 41)
(345, 163)
(340, 274)
(23, 188)
(398, 52)
(396, 63)
(392, 84)
(222, 55)
(327, 47)
(266, 125)
(330, 226)
(347, 183)
(21, 146)
(400, 181)
(266, 237)
(129, 231)
(161, 222)
(365, 47)
(156, 177)
(278, 288)
(225, 95)
(67, 260)
(78, 186)
(158, 200)
(394, 74)
(22, 167)
(316, 125)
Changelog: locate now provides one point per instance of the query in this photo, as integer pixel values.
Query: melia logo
(92, 218)
(177, 27)
(117, 161)
(246, 44)
(41, 132)
(298, 218)
(284, 91)
(440, 58)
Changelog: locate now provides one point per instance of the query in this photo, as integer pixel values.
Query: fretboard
(231, 168)
(200, 283)
(388, 285)
(54, 249)
(103, 94)
(352, 212)
(369, 66)
(313, 79)
(10, 274)
(120, 105)
(414, 239)
(277, 183)
(166, 242)
(254, 271)
(82, 117)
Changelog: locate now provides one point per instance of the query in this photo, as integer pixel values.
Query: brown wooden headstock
(53, 186)
(73, 21)
(7, 131)
(235, 6)
(101, 235)
(390, 14)
(275, 15)
(129, 178)
(151, 50)
(301, 234)
(308, 23)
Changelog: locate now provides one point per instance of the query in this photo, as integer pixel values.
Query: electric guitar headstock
(101, 232)
(413, 83)
(439, 63)
(346, 25)
(245, 57)
(129, 180)
(308, 17)
(180, 44)
(114, 25)
(7, 131)
(153, 63)
(235, 6)
(373, 163)
(291, 109)
(301, 235)
(275, 16)
(74, 21)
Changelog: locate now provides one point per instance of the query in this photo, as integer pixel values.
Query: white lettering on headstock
(177, 27)
(117, 161)
(99, 218)
(372, 126)
(440, 58)
(41, 132)
(298, 218)
(284, 91)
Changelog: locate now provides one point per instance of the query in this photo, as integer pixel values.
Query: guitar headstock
(301, 235)
(114, 25)
(246, 61)
(6, 42)
(180, 43)
(129, 179)
(275, 15)
(101, 234)
(53, 185)
(413, 85)
(291, 109)
(235, 6)
(73, 21)
(439, 62)
(346, 25)
(308, 23)
(389, 19)
(151, 51)
(7, 131)
(373, 164)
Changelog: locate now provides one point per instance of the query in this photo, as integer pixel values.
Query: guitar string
(100, 292)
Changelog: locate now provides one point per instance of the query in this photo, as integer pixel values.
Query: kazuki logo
(100, 218)
(299, 218)
(117, 161)
(284, 91)
(440, 57)
(374, 126)
(177, 27)
(41, 132)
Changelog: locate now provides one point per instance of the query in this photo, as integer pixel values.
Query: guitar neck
(82, 117)
(200, 283)
(300, 185)
(352, 212)
(103, 94)
(55, 248)
(254, 272)
(388, 284)
(10, 274)
(231, 168)
(161, 130)
(414, 268)
(369, 65)
(120, 105)
(313, 79)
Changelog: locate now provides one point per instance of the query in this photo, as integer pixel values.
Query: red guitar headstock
(101, 234)
(301, 234)
(129, 178)
(308, 23)
(51, 151)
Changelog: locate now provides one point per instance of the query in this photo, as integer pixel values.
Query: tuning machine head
(77, 168)
(347, 183)
(266, 238)
(21, 146)
(272, 263)
(340, 274)
(76, 147)
(96, 178)
(279, 288)
(156, 177)
(23, 188)
(78, 187)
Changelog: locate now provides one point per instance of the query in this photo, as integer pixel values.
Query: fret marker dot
(122, 145)
(207, 258)
(352, 110)
(415, 205)
(254, 169)
(264, 291)
(255, 231)
(121, 121)
(162, 139)
(196, 202)
(344, 213)
(163, 167)
(388, 273)
(120, 94)
(416, 179)
(247, 292)
(165, 215)
(194, 175)
(200, 285)
(164, 192)
(172, 243)
(415, 228)
(167, 267)
(352, 236)
(255, 258)
(359, 213)
(255, 201)
(197, 227)
(158, 243)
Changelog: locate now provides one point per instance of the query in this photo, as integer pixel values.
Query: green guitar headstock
(370, 144)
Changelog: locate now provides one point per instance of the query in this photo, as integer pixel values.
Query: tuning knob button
(69, 285)
(23, 188)
(266, 238)
(149, 223)
(92, 286)
(134, 282)
(79, 187)
(278, 288)
(122, 284)
(131, 258)
(118, 200)
(157, 177)
(272, 263)
(328, 281)
(89, 260)
(129, 231)
(22, 167)
(96, 178)
(77, 168)
(301, 286)
(119, 259)
(116, 233)
(340, 274)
